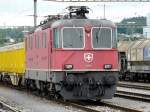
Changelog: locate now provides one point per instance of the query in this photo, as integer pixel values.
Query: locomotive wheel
(1, 78)
(98, 100)
(56, 96)
(65, 100)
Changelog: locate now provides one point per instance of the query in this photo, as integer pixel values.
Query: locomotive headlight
(68, 66)
(108, 66)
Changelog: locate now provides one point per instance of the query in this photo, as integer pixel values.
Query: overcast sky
(16, 12)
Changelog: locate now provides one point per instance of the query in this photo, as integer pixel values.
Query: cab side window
(36, 40)
(44, 40)
(114, 38)
(30, 42)
(56, 37)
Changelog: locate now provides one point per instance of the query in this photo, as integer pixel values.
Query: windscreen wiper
(98, 32)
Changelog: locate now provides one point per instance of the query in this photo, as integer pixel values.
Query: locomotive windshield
(73, 38)
(101, 38)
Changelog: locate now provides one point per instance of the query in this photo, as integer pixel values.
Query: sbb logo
(88, 57)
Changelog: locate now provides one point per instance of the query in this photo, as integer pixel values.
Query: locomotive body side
(80, 60)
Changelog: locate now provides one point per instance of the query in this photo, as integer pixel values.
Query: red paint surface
(100, 57)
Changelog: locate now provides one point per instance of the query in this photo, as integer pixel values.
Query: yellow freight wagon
(12, 62)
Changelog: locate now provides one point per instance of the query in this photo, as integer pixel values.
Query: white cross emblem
(88, 57)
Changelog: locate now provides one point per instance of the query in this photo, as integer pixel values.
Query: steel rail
(3, 104)
(79, 106)
(135, 96)
(134, 86)
(82, 106)
(123, 108)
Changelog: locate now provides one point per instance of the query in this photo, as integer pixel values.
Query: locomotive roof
(82, 22)
(75, 23)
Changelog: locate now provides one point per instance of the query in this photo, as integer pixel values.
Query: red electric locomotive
(73, 57)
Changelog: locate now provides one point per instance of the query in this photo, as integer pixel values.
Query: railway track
(135, 96)
(124, 94)
(89, 106)
(123, 108)
(7, 108)
(134, 85)
(92, 105)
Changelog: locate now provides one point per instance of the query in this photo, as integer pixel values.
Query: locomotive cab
(86, 56)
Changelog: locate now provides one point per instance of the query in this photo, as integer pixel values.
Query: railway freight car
(72, 57)
(12, 63)
(135, 60)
